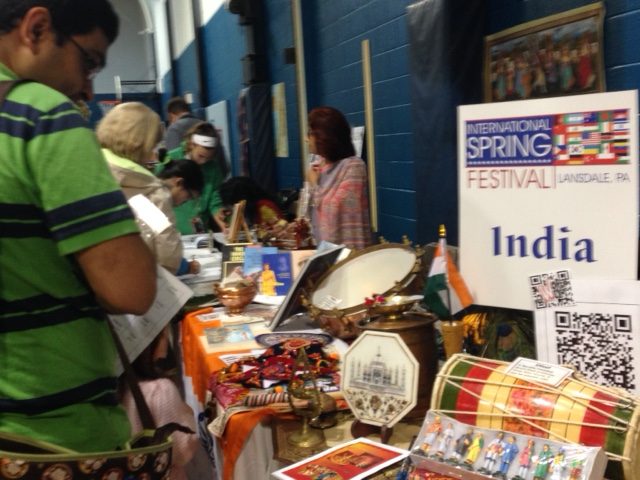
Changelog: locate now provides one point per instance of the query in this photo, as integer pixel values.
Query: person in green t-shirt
(71, 250)
(202, 145)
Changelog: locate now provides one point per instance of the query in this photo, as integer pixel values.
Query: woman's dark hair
(332, 133)
(244, 188)
(190, 173)
(69, 17)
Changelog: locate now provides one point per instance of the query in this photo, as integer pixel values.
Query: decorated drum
(337, 300)
(481, 392)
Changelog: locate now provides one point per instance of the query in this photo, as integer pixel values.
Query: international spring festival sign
(547, 185)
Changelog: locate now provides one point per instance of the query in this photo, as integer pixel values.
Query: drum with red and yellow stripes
(481, 392)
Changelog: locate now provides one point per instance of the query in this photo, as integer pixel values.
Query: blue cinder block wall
(223, 45)
(187, 80)
(334, 30)
(279, 36)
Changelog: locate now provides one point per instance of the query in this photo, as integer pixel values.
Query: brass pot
(236, 296)
(395, 307)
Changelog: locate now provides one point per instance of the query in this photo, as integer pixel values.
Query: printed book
(279, 281)
(234, 252)
(253, 258)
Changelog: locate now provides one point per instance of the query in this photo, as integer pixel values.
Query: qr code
(598, 344)
(552, 289)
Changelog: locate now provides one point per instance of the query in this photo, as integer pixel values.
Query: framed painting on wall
(552, 56)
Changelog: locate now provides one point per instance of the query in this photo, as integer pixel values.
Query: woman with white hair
(129, 134)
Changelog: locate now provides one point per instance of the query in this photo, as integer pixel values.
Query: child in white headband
(202, 146)
(204, 141)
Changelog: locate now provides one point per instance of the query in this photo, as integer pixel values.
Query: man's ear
(35, 25)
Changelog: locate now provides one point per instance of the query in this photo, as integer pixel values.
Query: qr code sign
(552, 289)
(600, 345)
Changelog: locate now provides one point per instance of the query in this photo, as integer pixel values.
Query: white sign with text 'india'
(547, 185)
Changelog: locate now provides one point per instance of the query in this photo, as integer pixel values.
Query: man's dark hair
(189, 171)
(69, 17)
(177, 105)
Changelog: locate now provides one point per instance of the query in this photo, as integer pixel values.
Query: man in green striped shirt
(69, 246)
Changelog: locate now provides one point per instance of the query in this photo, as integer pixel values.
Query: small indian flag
(445, 293)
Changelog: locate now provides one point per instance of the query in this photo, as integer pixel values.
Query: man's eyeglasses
(90, 65)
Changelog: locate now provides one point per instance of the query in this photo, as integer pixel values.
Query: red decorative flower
(375, 299)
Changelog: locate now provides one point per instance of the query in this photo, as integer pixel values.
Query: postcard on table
(231, 338)
(228, 334)
(353, 460)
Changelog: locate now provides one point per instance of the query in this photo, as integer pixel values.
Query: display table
(200, 359)
(246, 448)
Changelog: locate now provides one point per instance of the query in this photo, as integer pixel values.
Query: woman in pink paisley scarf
(340, 211)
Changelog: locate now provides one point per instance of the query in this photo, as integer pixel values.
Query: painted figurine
(474, 450)
(507, 455)
(524, 460)
(433, 430)
(542, 464)
(445, 441)
(575, 469)
(493, 451)
(462, 445)
(557, 465)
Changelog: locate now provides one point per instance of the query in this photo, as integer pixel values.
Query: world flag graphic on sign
(591, 138)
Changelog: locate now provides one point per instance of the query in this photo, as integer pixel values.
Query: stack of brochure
(196, 247)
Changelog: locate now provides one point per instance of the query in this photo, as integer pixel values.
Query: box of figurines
(458, 450)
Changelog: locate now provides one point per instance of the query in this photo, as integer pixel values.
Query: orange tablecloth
(199, 365)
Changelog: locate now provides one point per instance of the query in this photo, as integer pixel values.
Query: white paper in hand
(136, 332)
(146, 211)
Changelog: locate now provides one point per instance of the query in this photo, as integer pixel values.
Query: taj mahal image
(378, 374)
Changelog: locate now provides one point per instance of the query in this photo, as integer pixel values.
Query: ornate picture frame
(551, 56)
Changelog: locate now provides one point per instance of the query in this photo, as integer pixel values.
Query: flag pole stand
(452, 331)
